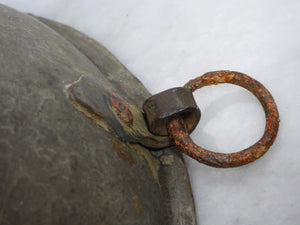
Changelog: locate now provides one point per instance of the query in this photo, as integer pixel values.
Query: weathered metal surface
(161, 108)
(57, 166)
(183, 141)
(111, 111)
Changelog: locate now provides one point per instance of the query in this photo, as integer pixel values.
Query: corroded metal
(122, 108)
(112, 112)
(161, 108)
(186, 145)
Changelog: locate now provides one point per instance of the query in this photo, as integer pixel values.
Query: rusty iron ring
(181, 138)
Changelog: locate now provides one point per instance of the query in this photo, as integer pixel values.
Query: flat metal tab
(111, 111)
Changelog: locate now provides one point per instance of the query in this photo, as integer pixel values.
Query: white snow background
(165, 43)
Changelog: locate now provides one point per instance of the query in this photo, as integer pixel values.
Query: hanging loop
(179, 135)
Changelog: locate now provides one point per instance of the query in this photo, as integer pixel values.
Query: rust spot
(137, 204)
(186, 145)
(123, 152)
(122, 108)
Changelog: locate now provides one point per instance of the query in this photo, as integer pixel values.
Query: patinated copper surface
(181, 138)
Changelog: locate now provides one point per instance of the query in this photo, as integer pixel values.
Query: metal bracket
(112, 112)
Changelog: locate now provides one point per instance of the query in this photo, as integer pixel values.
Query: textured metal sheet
(57, 165)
